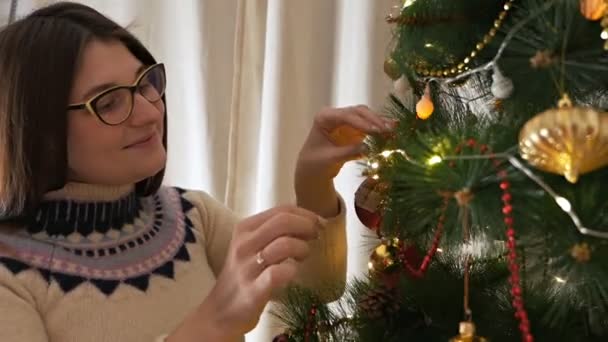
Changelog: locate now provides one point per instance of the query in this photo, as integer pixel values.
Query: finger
(378, 124)
(332, 119)
(384, 123)
(285, 224)
(347, 153)
(255, 221)
(278, 251)
(284, 248)
(275, 278)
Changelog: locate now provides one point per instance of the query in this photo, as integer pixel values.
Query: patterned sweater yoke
(104, 264)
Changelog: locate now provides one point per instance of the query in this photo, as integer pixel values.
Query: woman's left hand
(336, 137)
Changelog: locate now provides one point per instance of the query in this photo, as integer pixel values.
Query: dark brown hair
(39, 56)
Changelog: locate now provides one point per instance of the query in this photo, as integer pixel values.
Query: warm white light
(439, 250)
(560, 280)
(386, 153)
(563, 203)
(434, 160)
(408, 3)
(604, 35)
(375, 165)
(370, 265)
(375, 177)
(428, 45)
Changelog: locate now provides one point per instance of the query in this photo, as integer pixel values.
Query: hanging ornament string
(464, 197)
(507, 211)
(12, 14)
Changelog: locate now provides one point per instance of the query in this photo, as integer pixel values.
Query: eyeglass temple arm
(78, 106)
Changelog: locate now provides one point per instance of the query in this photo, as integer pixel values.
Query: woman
(92, 247)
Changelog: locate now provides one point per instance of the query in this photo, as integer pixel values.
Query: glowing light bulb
(408, 3)
(375, 165)
(434, 160)
(425, 107)
(564, 204)
(386, 153)
(560, 280)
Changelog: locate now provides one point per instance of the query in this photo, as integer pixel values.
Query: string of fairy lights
(563, 203)
(435, 159)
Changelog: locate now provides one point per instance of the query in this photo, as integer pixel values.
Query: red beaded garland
(310, 326)
(426, 261)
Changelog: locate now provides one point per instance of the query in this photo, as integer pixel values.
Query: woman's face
(113, 155)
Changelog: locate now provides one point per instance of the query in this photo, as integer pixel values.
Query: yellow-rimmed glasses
(114, 106)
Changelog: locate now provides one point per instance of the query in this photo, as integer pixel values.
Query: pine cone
(379, 302)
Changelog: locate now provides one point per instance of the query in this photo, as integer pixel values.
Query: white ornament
(502, 87)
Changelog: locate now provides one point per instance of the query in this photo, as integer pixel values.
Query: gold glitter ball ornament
(581, 252)
(568, 140)
(467, 334)
(392, 69)
(384, 257)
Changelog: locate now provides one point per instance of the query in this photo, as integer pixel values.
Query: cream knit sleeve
(19, 319)
(325, 269)
(215, 222)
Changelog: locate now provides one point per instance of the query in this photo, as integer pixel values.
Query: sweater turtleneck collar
(85, 208)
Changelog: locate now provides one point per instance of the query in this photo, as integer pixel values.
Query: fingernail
(322, 221)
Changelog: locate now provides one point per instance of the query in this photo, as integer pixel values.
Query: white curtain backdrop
(245, 80)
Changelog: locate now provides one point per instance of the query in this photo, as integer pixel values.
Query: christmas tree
(490, 200)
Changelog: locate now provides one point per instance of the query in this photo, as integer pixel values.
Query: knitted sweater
(102, 264)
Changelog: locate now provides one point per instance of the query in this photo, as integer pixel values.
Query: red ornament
(281, 338)
(410, 255)
(368, 203)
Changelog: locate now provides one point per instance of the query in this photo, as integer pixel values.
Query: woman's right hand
(262, 258)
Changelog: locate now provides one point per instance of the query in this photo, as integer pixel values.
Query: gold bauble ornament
(581, 252)
(385, 256)
(593, 9)
(467, 334)
(568, 140)
(391, 68)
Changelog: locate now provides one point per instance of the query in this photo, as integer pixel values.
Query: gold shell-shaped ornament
(569, 141)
